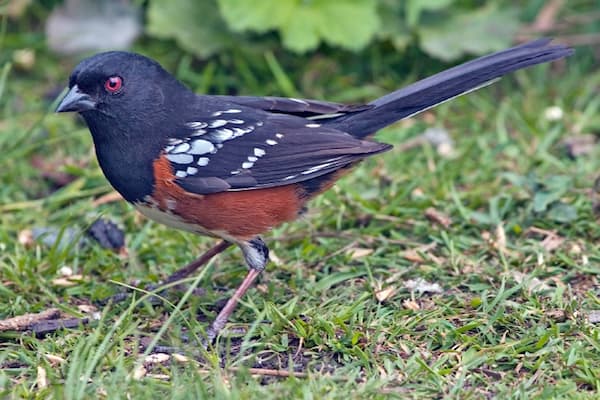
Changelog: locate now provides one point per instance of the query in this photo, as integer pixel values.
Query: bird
(234, 167)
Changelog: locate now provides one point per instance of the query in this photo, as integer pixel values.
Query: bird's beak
(76, 100)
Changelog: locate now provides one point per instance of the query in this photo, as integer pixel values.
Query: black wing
(311, 109)
(236, 149)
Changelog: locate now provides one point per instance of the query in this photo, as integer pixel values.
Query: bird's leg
(256, 254)
(194, 265)
(177, 275)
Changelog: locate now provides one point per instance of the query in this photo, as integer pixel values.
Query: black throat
(125, 156)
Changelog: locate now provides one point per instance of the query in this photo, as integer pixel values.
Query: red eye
(113, 84)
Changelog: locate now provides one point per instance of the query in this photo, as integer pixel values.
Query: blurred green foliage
(445, 29)
(341, 50)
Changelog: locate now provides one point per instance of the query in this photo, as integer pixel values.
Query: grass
(517, 266)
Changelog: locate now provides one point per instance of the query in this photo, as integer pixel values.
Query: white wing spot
(221, 135)
(197, 125)
(175, 141)
(181, 148)
(235, 172)
(313, 125)
(279, 135)
(232, 111)
(259, 123)
(199, 132)
(180, 174)
(240, 131)
(217, 123)
(201, 146)
(202, 161)
(271, 142)
(287, 178)
(247, 164)
(191, 170)
(258, 152)
(236, 121)
(252, 159)
(180, 158)
(316, 168)
(298, 101)
(324, 116)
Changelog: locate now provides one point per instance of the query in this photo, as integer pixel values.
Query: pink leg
(219, 322)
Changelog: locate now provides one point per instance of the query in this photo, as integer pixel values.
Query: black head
(130, 104)
(115, 84)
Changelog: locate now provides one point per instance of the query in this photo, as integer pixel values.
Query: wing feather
(271, 150)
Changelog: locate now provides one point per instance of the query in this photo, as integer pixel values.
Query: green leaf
(394, 29)
(414, 8)
(301, 33)
(561, 212)
(543, 199)
(482, 31)
(350, 24)
(195, 26)
(527, 182)
(560, 183)
(337, 278)
(554, 188)
(258, 16)
(303, 25)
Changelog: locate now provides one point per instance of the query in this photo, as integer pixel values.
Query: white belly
(174, 221)
(168, 219)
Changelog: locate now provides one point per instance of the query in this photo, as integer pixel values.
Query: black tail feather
(446, 85)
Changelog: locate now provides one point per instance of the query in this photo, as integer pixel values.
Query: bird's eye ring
(113, 84)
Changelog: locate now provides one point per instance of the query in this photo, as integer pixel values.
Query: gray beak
(77, 101)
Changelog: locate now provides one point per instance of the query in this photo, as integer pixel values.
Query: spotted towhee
(234, 167)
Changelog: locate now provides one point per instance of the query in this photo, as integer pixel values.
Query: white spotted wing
(233, 150)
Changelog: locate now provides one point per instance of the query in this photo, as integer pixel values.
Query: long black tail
(446, 85)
